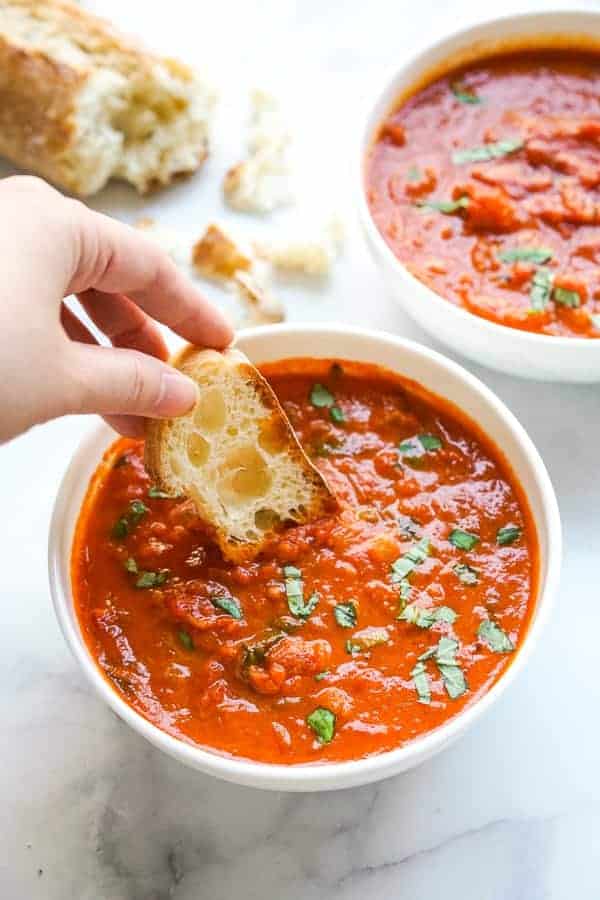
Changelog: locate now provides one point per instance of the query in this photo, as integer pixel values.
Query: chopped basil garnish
(228, 604)
(487, 151)
(321, 397)
(152, 579)
(255, 654)
(526, 254)
(425, 618)
(127, 522)
(422, 443)
(412, 558)
(137, 510)
(322, 722)
(345, 615)
(120, 529)
(408, 526)
(451, 672)
(321, 675)
(185, 639)
(466, 574)
(294, 589)
(508, 535)
(463, 93)
(430, 442)
(566, 298)
(413, 174)
(464, 540)
(366, 640)
(444, 657)
(131, 565)
(421, 682)
(336, 414)
(541, 288)
(444, 206)
(156, 494)
(405, 590)
(496, 639)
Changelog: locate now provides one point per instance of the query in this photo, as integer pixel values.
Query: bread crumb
(218, 255)
(262, 308)
(262, 182)
(312, 254)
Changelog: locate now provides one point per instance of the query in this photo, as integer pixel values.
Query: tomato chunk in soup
(348, 636)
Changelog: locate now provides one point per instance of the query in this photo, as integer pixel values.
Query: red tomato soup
(486, 185)
(348, 636)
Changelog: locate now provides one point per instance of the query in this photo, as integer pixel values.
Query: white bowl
(510, 350)
(438, 375)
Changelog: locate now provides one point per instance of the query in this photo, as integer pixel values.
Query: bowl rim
(330, 775)
(491, 330)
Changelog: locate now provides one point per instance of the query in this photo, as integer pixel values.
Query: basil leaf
(120, 529)
(430, 442)
(255, 654)
(366, 640)
(322, 722)
(131, 565)
(336, 414)
(137, 510)
(494, 637)
(454, 680)
(487, 151)
(156, 493)
(412, 558)
(321, 397)
(294, 589)
(228, 604)
(464, 540)
(466, 574)
(408, 526)
(425, 618)
(541, 288)
(566, 298)
(405, 590)
(421, 683)
(185, 639)
(463, 93)
(321, 675)
(508, 535)
(345, 615)
(444, 206)
(152, 579)
(413, 174)
(526, 254)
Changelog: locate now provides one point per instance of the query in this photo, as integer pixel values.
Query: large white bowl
(438, 375)
(510, 350)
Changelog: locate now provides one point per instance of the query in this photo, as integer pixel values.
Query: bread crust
(323, 501)
(40, 92)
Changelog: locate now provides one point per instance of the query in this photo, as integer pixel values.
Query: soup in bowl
(353, 646)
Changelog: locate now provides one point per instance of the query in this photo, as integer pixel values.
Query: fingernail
(177, 395)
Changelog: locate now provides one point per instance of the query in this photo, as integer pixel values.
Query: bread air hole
(266, 519)
(272, 435)
(245, 476)
(210, 412)
(198, 449)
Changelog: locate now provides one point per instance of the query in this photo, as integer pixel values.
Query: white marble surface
(89, 811)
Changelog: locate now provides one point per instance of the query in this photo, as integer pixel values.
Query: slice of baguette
(80, 103)
(236, 456)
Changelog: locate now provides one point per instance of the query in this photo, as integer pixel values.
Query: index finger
(114, 258)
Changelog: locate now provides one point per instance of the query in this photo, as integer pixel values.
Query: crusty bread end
(236, 456)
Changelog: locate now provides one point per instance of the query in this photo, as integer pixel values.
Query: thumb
(114, 381)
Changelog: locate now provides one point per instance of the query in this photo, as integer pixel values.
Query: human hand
(50, 364)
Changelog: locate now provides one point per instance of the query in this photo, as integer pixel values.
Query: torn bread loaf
(261, 182)
(236, 456)
(80, 104)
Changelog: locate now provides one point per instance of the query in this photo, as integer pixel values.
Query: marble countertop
(89, 810)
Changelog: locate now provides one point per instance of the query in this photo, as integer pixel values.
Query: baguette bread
(80, 104)
(236, 456)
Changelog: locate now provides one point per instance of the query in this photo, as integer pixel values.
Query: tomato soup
(486, 185)
(348, 636)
